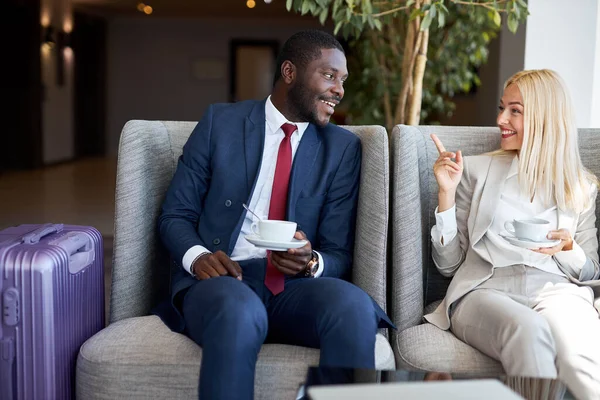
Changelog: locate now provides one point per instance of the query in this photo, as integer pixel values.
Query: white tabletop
(476, 389)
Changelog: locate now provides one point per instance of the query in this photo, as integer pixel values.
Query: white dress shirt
(261, 197)
(512, 205)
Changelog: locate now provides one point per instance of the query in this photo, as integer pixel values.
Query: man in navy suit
(283, 158)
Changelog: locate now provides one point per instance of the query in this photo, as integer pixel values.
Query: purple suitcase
(52, 298)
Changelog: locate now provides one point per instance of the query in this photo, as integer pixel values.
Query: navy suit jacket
(218, 170)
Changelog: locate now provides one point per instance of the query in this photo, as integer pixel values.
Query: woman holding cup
(531, 307)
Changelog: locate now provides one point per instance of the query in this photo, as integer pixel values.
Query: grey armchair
(137, 356)
(416, 286)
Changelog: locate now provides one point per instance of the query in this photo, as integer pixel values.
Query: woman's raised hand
(447, 172)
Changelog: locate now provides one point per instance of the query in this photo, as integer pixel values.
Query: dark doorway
(251, 68)
(20, 85)
(89, 48)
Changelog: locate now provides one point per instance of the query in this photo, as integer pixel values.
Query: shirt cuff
(445, 226)
(190, 256)
(321, 265)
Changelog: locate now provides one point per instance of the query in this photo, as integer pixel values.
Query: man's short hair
(303, 47)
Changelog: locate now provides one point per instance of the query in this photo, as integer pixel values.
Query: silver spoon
(253, 213)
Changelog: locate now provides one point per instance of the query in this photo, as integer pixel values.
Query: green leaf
(377, 24)
(517, 12)
(337, 27)
(410, 3)
(323, 16)
(497, 18)
(336, 6)
(288, 4)
(426, 21)
(441, 18)
(432, 11)
(522, 3)
(513, 23)
(305, 7)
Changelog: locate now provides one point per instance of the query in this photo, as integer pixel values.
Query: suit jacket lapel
(254, 142)
(302, 166)
(492, 190)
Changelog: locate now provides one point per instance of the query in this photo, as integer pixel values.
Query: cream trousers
(536, 324)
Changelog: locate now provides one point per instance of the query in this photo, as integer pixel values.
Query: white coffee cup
(533, 229)
(274, 230)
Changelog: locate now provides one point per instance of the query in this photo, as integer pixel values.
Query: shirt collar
(275, 119)
(514, 168)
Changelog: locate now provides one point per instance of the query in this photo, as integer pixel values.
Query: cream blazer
(465, 256)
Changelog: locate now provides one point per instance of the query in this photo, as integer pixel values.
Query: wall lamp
(59, 40)
(48, 37)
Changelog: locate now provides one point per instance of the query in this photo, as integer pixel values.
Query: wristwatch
(312, 266)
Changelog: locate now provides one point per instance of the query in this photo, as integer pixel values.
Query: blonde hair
(549, 161)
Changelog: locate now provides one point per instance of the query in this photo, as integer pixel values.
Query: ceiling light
(268, 1)
(250, 3)
(141, 6)
(148, 10)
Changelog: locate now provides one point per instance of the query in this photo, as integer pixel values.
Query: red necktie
(273, 278)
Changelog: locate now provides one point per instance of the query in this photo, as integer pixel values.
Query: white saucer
(274, 245)
(529, 244)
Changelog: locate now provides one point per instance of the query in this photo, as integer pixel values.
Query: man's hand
(566, 242)
(216, 264)
(293, 261)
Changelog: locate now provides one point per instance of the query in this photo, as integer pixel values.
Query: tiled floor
(78, 193)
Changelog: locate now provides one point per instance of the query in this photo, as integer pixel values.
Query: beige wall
(172, 69)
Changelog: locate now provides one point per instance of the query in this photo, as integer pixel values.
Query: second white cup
(534, 229)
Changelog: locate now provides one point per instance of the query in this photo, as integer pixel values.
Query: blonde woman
(530, 308)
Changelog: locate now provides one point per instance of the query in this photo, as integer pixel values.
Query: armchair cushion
(140, 358)
(426, 347)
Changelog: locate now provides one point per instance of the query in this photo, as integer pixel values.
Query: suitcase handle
(80, 248)
(44, 230)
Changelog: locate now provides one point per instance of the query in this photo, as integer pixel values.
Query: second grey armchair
(416, 285)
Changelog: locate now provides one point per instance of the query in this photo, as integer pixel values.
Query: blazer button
(216, 241)
(227, 203)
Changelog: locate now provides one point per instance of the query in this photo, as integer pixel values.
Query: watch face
(312, 267)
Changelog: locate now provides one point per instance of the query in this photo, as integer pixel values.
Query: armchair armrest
(410, 202)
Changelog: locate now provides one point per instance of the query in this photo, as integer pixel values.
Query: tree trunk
(376, 40)
(411, 47)
(416, 97)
